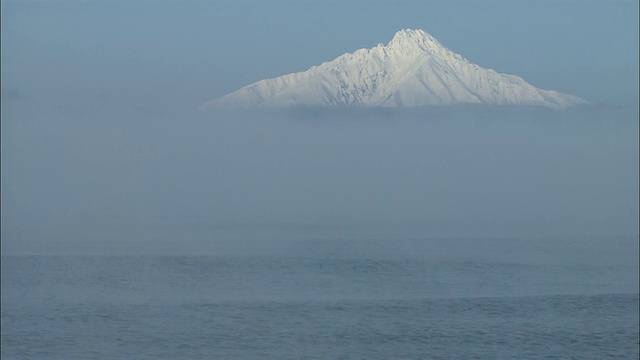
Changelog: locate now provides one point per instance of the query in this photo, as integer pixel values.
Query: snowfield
(413, 69)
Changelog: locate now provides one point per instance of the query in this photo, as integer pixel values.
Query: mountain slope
(413, 69)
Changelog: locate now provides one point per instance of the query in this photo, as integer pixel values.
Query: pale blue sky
(163, 54)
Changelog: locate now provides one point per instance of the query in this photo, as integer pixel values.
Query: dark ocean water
(330, 299)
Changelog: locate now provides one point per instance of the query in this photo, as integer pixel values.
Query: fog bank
(128, 181)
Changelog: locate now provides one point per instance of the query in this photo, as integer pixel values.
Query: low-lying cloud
(139, 183)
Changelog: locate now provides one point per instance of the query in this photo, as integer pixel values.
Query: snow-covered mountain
(413, 69)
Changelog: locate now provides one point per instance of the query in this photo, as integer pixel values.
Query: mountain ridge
(413, 69)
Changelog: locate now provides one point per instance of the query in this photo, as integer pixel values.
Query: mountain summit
(413, 69)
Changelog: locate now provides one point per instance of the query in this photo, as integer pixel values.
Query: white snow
(413, 69)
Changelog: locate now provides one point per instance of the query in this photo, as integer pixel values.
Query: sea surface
(329, 299)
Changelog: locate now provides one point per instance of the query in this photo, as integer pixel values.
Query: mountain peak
(410, 35)
(409, 38)
(413, 69)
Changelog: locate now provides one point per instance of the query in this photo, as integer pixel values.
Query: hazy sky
(160, 54)
(103, 143)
